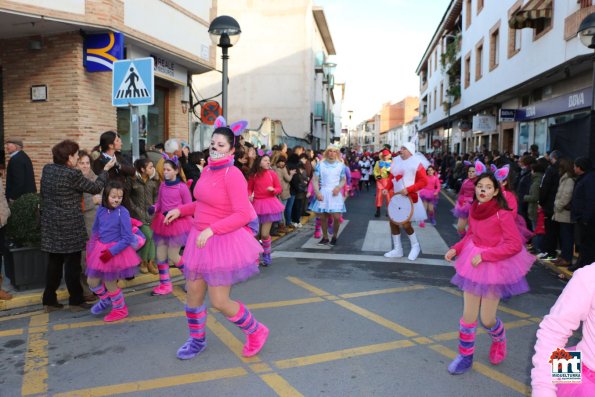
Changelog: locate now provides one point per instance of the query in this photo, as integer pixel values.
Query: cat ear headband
(467, 163)
(237, 128)
(262, 153)
(480, 167)
(501, 173)
(173, 159)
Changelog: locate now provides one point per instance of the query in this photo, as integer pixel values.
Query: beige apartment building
(48, 91)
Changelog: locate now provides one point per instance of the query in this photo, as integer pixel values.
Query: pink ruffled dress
(231, 255)
(465, 198)
(171, 195)
(112, 231)
(265, 203)
(505, 261)
(429, 193)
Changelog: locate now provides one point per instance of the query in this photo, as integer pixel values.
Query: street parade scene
(305, 198)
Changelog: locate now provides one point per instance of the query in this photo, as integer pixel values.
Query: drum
(400, 209)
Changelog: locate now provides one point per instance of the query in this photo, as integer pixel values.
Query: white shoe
(397, 252)
(415, 248)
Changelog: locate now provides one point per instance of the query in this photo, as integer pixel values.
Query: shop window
(153, 123)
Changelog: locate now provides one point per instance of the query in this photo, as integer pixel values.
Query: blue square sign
(133, 82)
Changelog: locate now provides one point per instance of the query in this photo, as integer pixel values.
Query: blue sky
(379, 44)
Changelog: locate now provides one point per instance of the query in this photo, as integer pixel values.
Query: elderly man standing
(171, 148)
(20, 178)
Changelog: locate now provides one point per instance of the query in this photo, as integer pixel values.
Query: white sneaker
(298, 225)
(394, 253)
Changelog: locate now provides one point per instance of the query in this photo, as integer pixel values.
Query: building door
(508, 140)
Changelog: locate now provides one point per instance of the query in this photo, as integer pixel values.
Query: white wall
(158, 19)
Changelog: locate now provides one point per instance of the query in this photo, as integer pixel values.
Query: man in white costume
(410, 169)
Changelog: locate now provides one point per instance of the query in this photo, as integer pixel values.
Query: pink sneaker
(116, 314)
(498, 352)
(422, 224)
(163, 289)
(255, 341)
(317, 234)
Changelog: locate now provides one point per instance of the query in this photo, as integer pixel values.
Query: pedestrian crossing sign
(133, 82)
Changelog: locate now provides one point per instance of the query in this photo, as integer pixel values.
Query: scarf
(484, 210)
(221, 163)
(174, 182)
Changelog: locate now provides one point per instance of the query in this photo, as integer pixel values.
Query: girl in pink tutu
(575, 305)
(491, 264)
(430, 194)
(221, 250)
(263, 188)
(111, 253)
(169, 237)
(465, 198)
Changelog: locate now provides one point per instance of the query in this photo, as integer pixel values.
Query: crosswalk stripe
(358, 258)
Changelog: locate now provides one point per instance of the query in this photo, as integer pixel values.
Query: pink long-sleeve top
(498, 232)
(467, 191)
(433, 185)
(172, 196)
(221, 199)
(575, 304)
(258, 184)
(511, 200)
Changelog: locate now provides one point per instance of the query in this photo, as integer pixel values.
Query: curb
(21, 300)
(558, 269)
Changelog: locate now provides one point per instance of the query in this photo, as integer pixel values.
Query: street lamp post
(350, 112)
(328, 68)
(224, 32)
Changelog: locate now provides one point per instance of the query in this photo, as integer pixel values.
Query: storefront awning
(531, 14)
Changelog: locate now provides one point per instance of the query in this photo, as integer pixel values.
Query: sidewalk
(33, 297)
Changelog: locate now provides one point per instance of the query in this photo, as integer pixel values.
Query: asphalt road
(344, 322)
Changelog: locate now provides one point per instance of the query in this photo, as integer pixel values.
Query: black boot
(377, 214)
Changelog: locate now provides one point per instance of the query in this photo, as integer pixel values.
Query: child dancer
(263, 188)
(169, 237)
(466, 194)
(143, 195)
(383, 180)
(491, 264)
(430, 195)
(576, 304)
(221, 250)
(111, 253)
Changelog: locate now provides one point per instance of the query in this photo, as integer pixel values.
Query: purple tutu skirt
(501, 279)
(122, 265)
(268, 209)
(429, 197)
(176, 233)
(226, 259)
(461, 210)
(526, 234)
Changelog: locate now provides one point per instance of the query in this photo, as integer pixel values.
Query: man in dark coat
(20, 178)
(583, 211)
(547, 196)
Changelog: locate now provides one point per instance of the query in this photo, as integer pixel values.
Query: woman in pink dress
(491, 264)
(221, 250)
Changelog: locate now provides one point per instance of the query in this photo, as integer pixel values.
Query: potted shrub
(25, 263)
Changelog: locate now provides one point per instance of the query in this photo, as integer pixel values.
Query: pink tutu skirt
(268, 209)
(226, 259)
(461, 210)
(501, 279)
(176, 233)
(526, 234)
(122, 265)
(428, 196)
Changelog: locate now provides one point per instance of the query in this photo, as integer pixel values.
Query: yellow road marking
(342, 354)
(507, 325)
(280, 385)
(422, 340)
(447, 197)
(291, 302)
(36, 358)
(260, 368)
(11, 332)
(487, 371)
(308, 287)
(376, 318)
(500, 307)
(382, 291)
(159, 383)
(536, 319)
(15, 316)
(98, 323)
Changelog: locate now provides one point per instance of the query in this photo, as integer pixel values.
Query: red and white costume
(413, 174)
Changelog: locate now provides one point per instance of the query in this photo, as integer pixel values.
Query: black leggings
(71, 265)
